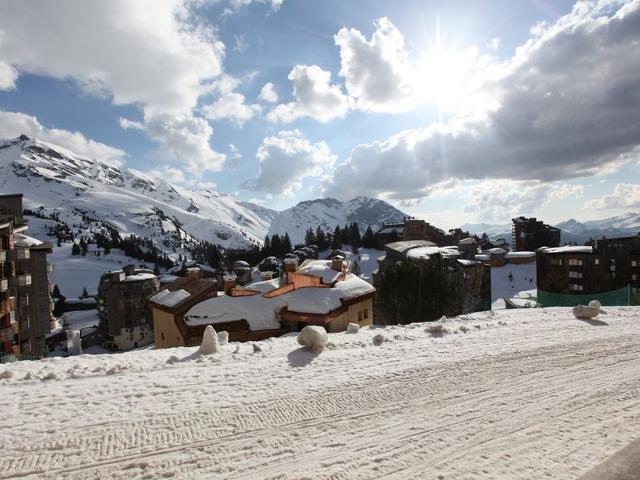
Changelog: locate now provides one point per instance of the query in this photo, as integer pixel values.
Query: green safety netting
(611, 298)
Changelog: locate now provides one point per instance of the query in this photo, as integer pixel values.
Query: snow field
(522, 394)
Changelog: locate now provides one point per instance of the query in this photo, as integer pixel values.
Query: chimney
(229, 283)
(193, 274)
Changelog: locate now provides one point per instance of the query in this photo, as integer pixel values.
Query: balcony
(24, 280)
(8, 334)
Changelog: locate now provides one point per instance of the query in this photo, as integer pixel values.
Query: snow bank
(170, 299)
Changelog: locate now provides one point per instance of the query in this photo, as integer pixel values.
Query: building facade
(530, 234)
(125, 321)
(608, 270)
(28, 278)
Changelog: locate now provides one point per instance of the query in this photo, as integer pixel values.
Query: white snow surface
(21, 240)
(569, 249)
(529, 393)
(523, 283)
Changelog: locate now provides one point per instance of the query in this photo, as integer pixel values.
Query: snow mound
(223, 337)
(313, 337)
(210, 342)
(378, 339)
(353, 328)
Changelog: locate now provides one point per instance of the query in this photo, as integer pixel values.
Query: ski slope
(511, 394)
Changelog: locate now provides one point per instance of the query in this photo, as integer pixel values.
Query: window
(612, 268)
(366, 313)
(576, 262)
(596, 261)
(162, 336)
(634, 263)
(634, 277)
(575, 274)
(575, 287)
(360, 315)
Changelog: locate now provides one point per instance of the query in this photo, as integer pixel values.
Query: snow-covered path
(512, 394)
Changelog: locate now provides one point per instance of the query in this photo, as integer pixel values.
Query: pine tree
(355, 268)
(369, 239)
(321, 239)
(85, 294)
(156, 269)
(276, 245)
(286, 244)
(56, 291)
(337, 238)
(75, 249)
(309, 237)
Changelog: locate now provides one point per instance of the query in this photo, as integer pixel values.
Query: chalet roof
(405, 245)
(424, 253)
(262, 313)
(567, 249)
(180, 290)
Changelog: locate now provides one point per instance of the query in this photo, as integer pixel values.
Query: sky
(453, 111)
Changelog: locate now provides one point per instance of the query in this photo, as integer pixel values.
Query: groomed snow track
(482, 405)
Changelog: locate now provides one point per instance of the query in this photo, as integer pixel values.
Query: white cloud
(240, 43)
(127, 124)
(14, 124)
(567, 106)
(185, 140)
(8, 76)
(624, 195)
(286, 160)
(231, 106)
(377, 72)
(235, 5)
(268, 93)
(315, 96)
(233, 158)
(151, 53)
(168, 174)
(497, 200)
(494, 43)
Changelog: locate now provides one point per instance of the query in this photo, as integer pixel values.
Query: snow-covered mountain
(80, 189)
(86, 193)
(620, 226)
(572, 230)
(329, 212)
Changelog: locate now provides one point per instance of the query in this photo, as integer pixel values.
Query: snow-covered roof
(263, 313)
(482, 257)
(466, 263)
(568, 249)
(496, 251)
(468, 241)
(424, 253)
(138, 277)
(520, 254)
(168, 278)
(170, 299)
(405, 245)
(21, 240)
(320, 268)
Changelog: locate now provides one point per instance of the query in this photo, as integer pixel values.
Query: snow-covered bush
(436, 330)
(313, 337)
(353, 328)
(209, 343)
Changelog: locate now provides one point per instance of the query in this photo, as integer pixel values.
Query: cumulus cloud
(268, 93)
(497, 200)
(8, 76)
(185, 140)
(127, 124)
(567, 105)
(624, 195)
(315, 96)
(377, 72)
(14, 124)
(151, 53)
(286, 160)
(231, 106)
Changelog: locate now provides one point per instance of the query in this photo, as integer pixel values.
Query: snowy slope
(132, 202)
(329, 212)
(522, 282)
(502, 395)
